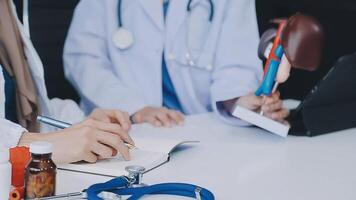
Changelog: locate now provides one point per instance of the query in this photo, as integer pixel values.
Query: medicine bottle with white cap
(40, 179)
(5, 173)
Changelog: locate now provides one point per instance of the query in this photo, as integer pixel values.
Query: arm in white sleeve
(66, 110)
(238, 70)
(62, 110)
(87, 64)
(2, 94)
(10, 133)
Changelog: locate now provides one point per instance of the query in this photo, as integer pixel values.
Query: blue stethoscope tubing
(212, 9)
(119, 184)
(123, 38)
(189, 9)
(179, 189)
(94, 190)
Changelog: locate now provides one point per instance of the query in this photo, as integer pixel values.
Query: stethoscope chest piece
(123, 38)
(135, 174)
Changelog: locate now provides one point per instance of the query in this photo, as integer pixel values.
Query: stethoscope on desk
(133, 187)
(123, 38)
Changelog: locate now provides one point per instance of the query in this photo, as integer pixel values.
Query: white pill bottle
(5, 174)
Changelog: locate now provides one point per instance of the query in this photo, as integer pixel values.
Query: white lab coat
(131, 79)
(65, 110)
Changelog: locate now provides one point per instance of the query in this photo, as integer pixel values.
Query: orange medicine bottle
(40, 178)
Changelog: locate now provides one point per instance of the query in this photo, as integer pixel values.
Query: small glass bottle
(40, 172)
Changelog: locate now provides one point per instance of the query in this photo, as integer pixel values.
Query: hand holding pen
(271, 106)
(89, 122)
(112, 116)
(89, 140)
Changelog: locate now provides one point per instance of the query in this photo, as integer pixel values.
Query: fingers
(167, 117)
(90, 157)
(177, 117)
(255, 101)
(147, 116)
(282, 114)
(102, 151)
(273, 98)
(112, 128)
(114, 152)
(124, 151)
(273, 108)
(99, 114)
(159, 117)
(122, 118)
(137, 118)
(127, 119)
(112, 116)
(250, 101)
(115, 142)
(277, 105)
(154, 121)
(164, 118)
(278, 115)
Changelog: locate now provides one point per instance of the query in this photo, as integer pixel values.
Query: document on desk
(261, 121)
(149, 153)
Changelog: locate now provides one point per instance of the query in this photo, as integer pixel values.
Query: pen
(63, 125)
(53, 122)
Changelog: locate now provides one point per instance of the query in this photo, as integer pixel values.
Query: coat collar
(154, 10)
(176, 17)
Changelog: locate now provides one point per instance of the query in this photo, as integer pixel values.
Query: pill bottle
(5, 173)
(40, 174)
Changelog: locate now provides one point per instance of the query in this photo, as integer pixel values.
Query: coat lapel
(176, 17)
(154, 10)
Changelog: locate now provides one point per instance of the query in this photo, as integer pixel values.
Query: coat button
(187, 56)
(170, 56)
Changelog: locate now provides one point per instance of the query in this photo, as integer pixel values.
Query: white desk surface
(248, 163)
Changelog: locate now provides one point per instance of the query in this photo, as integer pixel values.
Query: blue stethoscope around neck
(123, 38)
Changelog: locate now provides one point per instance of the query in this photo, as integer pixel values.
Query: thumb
(251, 101)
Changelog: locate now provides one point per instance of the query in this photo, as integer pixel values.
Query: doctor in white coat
(166, 56)
(88, 140)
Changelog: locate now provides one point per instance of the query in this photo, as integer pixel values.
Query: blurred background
(49, 21)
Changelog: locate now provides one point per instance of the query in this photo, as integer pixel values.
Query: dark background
(49, 21)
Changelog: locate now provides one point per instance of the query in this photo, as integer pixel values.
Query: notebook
(261, 121)
(149, 153)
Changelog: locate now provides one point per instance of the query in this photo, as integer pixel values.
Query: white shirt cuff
(10, 133)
